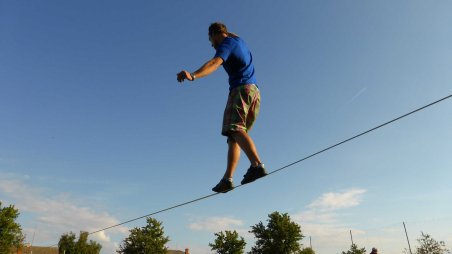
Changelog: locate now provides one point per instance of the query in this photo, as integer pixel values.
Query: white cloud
(312, 215)
(215, 224)
(101, 236)
(333, 201)
(57, 214)
(321, 219)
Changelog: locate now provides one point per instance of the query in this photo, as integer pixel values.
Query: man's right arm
(207, 68)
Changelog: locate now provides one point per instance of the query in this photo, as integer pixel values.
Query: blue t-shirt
(237, 61)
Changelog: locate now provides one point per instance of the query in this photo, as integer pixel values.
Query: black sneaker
(254, 173)
(223, 186)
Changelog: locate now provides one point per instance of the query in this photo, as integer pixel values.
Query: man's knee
(236, 136)
(231, 140)
(233, 136)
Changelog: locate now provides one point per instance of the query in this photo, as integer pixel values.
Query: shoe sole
(223, 191)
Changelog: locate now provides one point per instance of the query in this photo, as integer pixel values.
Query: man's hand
(183, 75)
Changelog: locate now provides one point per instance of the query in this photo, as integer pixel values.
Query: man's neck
(222, 37)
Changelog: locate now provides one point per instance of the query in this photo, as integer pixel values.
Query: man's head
(217, 33)
(374, 251)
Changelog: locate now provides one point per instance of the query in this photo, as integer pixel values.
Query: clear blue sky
(95, 130)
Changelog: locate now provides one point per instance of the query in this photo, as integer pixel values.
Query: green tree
(10, 231)
(68, 245)
(228, 242)
(307, 250)
(281, 235)
(355, 250)
(428, 245)
(149, 239)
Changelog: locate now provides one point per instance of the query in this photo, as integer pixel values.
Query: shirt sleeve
(224, 49)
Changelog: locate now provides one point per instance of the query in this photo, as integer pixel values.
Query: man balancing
(243, 102)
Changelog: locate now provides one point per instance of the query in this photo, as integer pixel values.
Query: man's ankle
(257, 164)
(228, 179)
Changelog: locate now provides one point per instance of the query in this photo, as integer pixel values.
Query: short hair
(217, 27)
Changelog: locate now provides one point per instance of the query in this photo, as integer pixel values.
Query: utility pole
(310, 243)
(351, 236)
(33, 240)
(408, 240)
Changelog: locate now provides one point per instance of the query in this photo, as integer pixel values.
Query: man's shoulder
(233, 41)
(228, 44)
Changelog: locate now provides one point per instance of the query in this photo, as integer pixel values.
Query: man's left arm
(209, 67)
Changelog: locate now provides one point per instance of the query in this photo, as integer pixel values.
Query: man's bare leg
(233, 157)
(226, 184)
(247, 145)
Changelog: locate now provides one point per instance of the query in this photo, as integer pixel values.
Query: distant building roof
(173, 252)
(35, 250)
